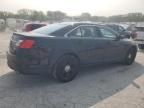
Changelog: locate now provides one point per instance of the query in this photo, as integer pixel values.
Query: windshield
(49, 29)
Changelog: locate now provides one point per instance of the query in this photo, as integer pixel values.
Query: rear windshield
(35, 26)
(140, 29)
(49, 29)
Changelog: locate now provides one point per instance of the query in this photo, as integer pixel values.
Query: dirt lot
(92, 85)
(4, 42)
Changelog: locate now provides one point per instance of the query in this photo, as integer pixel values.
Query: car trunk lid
(25, 41)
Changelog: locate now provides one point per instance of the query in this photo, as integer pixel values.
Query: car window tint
(97, 32)
(106, 33)
(88, 31)
(75, 33)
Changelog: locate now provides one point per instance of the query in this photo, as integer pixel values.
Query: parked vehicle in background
(59, 49)
(139, 39)
(120, 29)
(130, 28)
(32, 26)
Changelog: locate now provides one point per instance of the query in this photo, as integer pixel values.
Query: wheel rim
(129, 56)
(67, 68)
(67, 71)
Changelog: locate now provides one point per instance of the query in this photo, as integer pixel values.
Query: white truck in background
(139, 39)
(16, 24)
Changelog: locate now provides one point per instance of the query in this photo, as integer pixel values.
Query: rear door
(89, 44)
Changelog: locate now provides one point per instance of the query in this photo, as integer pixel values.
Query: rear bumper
(26, 66)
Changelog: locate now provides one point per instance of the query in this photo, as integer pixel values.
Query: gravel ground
(4, 42)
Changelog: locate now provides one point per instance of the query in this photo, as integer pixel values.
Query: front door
(113, 47)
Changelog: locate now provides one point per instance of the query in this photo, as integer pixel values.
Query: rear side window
(140, 29)
(75, 33)
(36, 26)
(88, 31)
(85, 31)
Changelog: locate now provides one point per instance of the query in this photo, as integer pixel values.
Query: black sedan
(60, 49)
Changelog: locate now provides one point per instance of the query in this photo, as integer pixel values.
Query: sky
(76, 7)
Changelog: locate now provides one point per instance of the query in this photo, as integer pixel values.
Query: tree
(55, 16)
(37, 16)
(31, 15)
(42, 16)
(135, 17)
(24, 14)
(130, 17)
(85, 17)
(4, 15)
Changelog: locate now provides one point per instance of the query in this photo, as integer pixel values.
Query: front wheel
(130, 56)
(66, 68)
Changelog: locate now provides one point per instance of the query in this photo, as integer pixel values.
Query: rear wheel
(66, 68)
(130, 56)
(141, 46)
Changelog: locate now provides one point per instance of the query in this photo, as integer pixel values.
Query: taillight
(26, 44)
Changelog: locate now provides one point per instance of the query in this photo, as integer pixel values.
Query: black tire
(130, 56)
(141, 46)
(66, 68)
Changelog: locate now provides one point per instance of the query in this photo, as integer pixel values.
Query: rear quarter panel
(58, 46)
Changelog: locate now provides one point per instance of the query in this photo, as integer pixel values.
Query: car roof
(35, 24)
(80, 23)
(76, 24)
(111, 24)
